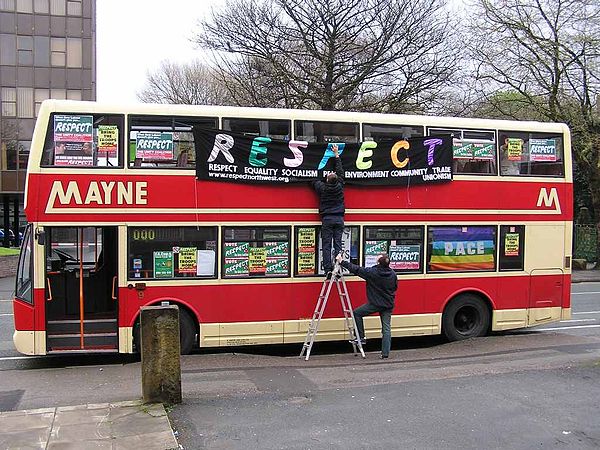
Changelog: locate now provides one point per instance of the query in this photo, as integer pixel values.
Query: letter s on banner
(298, 158)
(223, 142)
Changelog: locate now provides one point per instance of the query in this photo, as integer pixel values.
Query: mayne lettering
(99, 193)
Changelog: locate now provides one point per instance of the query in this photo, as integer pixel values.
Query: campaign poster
(69, 128)
(542, 150)
(163, 264)
(188, 260)
(257, 260)
(154, 145)
(372, 251)
(484, 151)
(236, 249)
(306, 263)
(462, 248)
(277, 266)
(405, 257)
(511, 244)
(235, 267)
(515, 149)
(276, 248)
(108, 137)
(462, 150)
(306, 251)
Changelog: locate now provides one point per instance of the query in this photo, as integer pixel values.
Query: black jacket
(382, 283)
(331, 195)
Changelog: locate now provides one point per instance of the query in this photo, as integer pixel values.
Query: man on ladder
(382, 284)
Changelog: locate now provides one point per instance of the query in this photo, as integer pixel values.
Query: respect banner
(226, 156)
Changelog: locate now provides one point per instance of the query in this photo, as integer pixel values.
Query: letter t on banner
(431, 143)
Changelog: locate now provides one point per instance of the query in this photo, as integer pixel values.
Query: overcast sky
(134, 36)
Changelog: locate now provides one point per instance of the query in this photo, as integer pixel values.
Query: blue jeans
(332, 229)
(386, 324)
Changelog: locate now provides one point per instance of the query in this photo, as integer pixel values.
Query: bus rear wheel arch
(467, 315)
(188, 332)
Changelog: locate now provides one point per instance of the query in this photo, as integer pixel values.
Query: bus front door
(81, 289)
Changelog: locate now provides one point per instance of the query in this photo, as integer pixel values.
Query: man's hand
(335, 149)
(338, 258)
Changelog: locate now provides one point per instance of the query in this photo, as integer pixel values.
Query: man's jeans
(332, 228)
(386, 326)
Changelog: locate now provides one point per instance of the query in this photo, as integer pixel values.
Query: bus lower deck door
(81, 289)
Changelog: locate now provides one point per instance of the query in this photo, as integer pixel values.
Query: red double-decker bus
(118, 220)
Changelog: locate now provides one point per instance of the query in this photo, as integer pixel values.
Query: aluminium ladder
(337, 277)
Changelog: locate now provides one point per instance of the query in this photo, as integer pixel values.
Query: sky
(134, 36)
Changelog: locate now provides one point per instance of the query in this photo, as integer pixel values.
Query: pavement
(123, 425)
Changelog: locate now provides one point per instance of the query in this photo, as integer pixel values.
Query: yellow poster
(306, 238)
(108, 137)
(511, 244)
(257, 260)
(306, 263)
(188, 261)
(515, 149)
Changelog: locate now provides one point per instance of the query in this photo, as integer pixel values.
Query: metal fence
(585, 242)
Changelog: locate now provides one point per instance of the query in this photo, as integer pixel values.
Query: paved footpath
(124, 425)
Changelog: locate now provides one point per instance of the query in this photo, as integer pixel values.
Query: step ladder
(337, 277)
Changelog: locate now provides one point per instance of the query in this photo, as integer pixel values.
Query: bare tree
(545, 56)
(189, 84)
(390, 55)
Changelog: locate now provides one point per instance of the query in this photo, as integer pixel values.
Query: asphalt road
(535, 388)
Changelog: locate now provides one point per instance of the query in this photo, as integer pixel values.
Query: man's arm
(362, 272)
(318, 185)
(339, 169)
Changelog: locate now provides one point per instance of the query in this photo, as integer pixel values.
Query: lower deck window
(403, 244)
(255, 252)
(461, 248)
(172, 252)
(309, 249)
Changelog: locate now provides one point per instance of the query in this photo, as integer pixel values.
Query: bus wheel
(187, 333)
(465, 317)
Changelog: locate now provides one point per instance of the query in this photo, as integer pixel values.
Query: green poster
(375, 247)
(277, 266)
(235, 266)
(462, 150)
(276, 248)
(236, 249)
(483, 151)
(154, 145)
(163, 264)
(73, 128)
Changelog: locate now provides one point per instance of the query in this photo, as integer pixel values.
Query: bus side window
(536, 154)
(83, 140)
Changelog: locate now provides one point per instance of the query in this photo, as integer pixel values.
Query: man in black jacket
(382, 284)
(331, 209)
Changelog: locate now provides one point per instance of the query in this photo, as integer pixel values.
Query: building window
(7, 5)
(57, 7)
(172, 252)
(39, 96)
(58, 94)
(25, 103)
(74, 7)
(74, 52)
(58, 52)
(25, 50)
(8, 49)
(41, 52)
(256, 252)
(41, 6)
(73, 94)
(23, 156)
(9, 102)
(24, 6)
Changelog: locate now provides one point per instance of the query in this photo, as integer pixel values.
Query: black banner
(226, 156)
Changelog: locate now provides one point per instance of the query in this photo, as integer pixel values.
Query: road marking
(578, 320)
(11, 358)
(583, 293)
(586, 312)
(6, 301)
(6, 314)
(569, 328)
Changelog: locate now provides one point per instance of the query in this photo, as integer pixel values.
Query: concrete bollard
(161, 364)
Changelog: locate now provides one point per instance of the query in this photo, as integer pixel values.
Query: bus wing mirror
(40, 236)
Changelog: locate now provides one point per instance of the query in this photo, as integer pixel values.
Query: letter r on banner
(223, 142)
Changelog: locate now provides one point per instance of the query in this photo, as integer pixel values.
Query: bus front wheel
(187, 333)
(465, 317)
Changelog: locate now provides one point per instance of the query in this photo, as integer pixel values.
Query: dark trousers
(386, 324)
(332, 229)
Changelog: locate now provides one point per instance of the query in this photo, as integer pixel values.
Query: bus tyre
(465, 317)
(187, 333)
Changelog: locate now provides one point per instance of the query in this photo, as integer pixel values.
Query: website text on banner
(226, 156)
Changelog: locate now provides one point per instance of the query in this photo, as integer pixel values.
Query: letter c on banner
(394, 154)
(295, 147)
(223, 142)
(365, 151)
(257, 150)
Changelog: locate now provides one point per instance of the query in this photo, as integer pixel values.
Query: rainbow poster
(462, 248)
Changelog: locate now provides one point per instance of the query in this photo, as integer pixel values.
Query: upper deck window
(474, 150)
(275, 129)
(83, 140)
(313, 131)
(164, 142)
(382, 132)
(536, 154)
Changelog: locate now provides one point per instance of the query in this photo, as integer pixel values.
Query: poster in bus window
(306, 263)
(108, 137)
(372, 251)
(257, 260)
(405, 257)
(206, 263)
(462, 149)
(462, 248)
(163, 264)
(154, 145)
(236, 249)
(188, 262)
(306, 251)
(235, 267)
(276, 248)
(277, 266)
(542, 150)
(306, 238)
(484, 151)
(514, 149)
(73, 140)
(511, 244)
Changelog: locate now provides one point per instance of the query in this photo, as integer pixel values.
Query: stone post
(161, 365)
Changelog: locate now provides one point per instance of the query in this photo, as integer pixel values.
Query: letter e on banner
(365, 151)
(258, 149)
